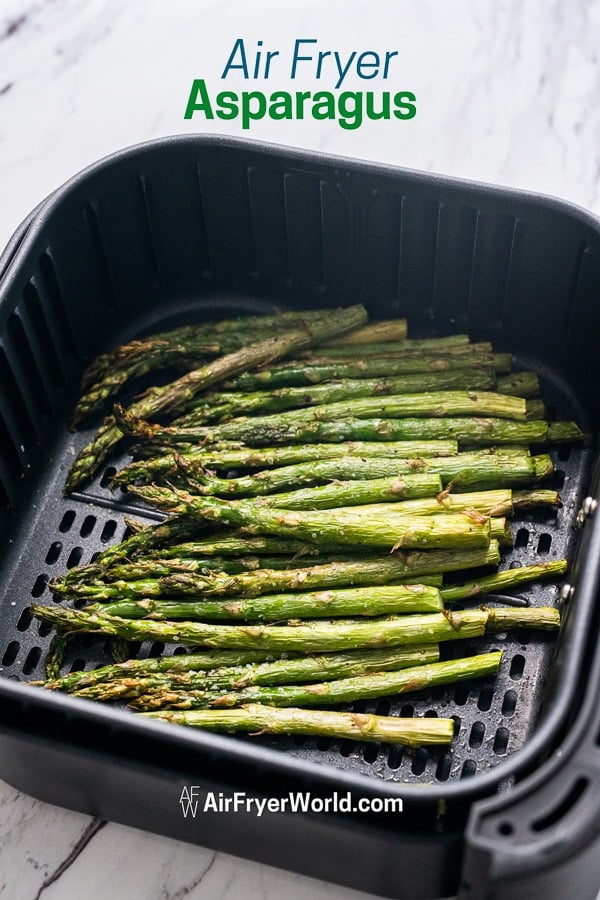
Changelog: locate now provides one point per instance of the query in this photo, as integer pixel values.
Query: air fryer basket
(193, 228)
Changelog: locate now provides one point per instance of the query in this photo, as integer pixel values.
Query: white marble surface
(507, 92)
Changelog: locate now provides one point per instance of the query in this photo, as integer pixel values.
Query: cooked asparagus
(388, 530)
(323, 693)
(260, 719)
(315, 636)
(365, 601)
(263, 431)
(226, 405)
(500, 581)
(483, 467)
(305, 372)
(233, 669)
(364, 572)
(166, 398)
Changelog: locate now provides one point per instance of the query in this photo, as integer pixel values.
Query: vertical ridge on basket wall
(228, 219)
(146, 229)
(117, 271)
(68, 287)
(267, 212)
(103, 283)
(48, 350)
(304, 232)
(52, 299)
(455, 240)
(172, 221)
(381, 234)
(10, 465)
(545, 259)
(419, 226)
(26, 339)
(18, 436)
(584, 322)
(490, 272)
(343, 249)
(16, 402)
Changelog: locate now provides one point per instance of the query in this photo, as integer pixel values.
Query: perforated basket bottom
(493, 717)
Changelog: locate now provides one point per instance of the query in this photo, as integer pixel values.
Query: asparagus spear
(55, 655)
(501, 531)
(520, 384)
(414, 566)
(341, 526)
(383, 490)
(155, 567)
(262, 431)
(225, 405)
(389, 331)
(306, 372)
(179, 663)
(509, 578)
(235, 669)
(324, 666)
(174, 529)
(365, 601)
(221, 553)
(98, 393)
(231, 457)
(370, 349)
(369, 571)
(564, 432)
(323, 693)
(434, 403)
(496, 503)
(316, 636)
(166, 534)
(186, 347)
(357, 493)
(352, 493)
(203, 332)
(482, 466)
(259, 719)
(116, 684)
(161, 399)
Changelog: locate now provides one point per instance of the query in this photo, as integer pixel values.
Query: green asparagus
(259, 719)
(323, 693)
(315, 636)
(167, 398)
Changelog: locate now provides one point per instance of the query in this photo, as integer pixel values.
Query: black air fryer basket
(192, 228)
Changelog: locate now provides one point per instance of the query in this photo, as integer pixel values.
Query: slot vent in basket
(104, 283)
(145, 218)
(45, 349)
(33, 384)
(15, 411)
(10, 458)
(50, 290)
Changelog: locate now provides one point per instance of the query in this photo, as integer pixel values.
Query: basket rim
(520, 761)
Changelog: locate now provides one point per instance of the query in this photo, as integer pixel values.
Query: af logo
(189, 800)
